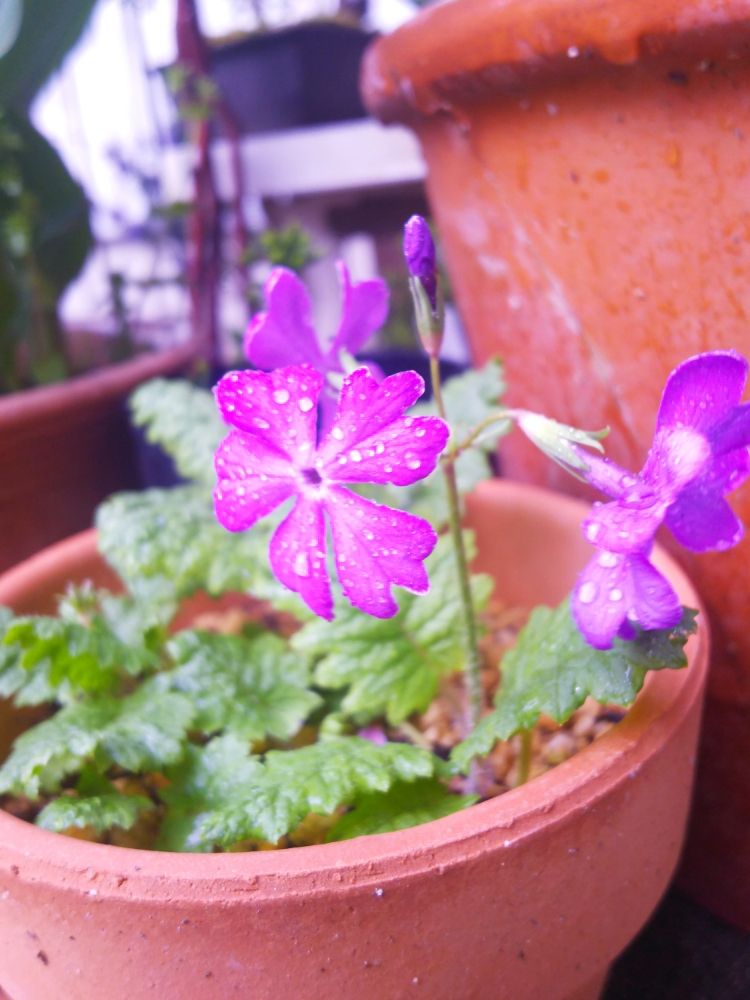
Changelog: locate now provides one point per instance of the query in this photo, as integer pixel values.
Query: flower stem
(524, 757)
(472, 666)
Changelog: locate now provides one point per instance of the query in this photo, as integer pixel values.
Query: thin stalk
(472, 666)
(524, 757)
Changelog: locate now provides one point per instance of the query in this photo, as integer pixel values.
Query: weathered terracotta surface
(526, 897)
(587, 169)
(65, 447)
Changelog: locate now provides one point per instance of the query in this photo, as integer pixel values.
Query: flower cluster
(701, 450)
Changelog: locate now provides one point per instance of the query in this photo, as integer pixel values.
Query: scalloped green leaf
(393, 666)
(402, 806)
(252, 686)
(552, 670)
(220, 796)
(183, 419)
(144, 731)
(167, 544)
(99, 812)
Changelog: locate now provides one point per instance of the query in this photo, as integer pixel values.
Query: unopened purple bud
(419, 251)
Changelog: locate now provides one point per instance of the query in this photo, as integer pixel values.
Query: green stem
(499, 416)
(524, 757)
(472, 666)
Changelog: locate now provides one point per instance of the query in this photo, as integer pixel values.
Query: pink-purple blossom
(285, 335)
(272, 454)
(700, 451)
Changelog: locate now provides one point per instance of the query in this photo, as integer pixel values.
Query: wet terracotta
(65, 447)
(587, 168)
(527, 897)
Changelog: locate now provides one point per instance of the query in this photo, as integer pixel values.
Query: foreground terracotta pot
(527, 897)
(65, 447)
(586, 167)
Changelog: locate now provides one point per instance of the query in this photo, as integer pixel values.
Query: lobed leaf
(402, 806)
(392, 666)
(552, 670)
(144, 731)
(219, 796)
(99, 812)
(252, 686)
(183, 419)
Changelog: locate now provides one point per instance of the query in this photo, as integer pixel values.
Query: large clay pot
(65, 447)
(587, 167)
(525, 897)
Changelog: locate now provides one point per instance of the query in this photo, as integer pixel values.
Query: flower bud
(560, 442)
(419, 251)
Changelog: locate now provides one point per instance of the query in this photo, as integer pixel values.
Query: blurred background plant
(44, 219)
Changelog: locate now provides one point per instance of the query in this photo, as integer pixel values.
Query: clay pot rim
(420, 66)
(29, 405)
(613, 759)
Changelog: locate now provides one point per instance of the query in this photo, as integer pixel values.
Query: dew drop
(592, 530)
(608, 560)
(413, 463)
(355, 456)
(615, 595)
(587, 593)
(379, 448)
(261, 423)
(301, 564)
(305, 404)
(337, 433)
(420, 432)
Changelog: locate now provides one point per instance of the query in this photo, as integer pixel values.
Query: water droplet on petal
(592, 530)
(301, 565)
(420, 432)
(261, 423)
(355, 456)
(379, 448)
(281, 396)
(587, 593)
(337, 433)
(615, 595)
(608, 560)
(305, 404)
(413, 463)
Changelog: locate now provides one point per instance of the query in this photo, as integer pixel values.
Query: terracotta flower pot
(586, 166)
(65, 447)
(526, 897)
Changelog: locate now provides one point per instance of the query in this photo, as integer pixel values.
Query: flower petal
(375, 548)
(254, 478)
(599, 599)
(701, 390)
(702, 520)
(654, 602)
(733, 432)
(364, 307)
(279, 408)
(619, 527)
(298, 556)
(372, 442)
(603, 474)
(284, 334)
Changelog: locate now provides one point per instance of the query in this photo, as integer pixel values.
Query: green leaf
(220, 796)
(166, 544)
(144, 731)
(254, 687)
(392, 666)
(552, 670)
(47, 658)
(402, 806)
(183, 419)
(100, 812)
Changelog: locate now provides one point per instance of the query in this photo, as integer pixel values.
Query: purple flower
(272, 454)
(284, 334)
(700, 452)
(419, 251)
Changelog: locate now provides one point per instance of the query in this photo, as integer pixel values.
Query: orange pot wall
(589, 171)
(526, 897)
